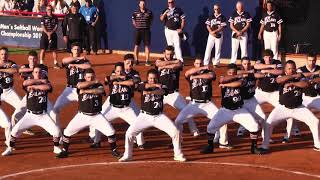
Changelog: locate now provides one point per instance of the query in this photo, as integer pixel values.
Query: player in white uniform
(90, 94)
(169, 74)
(151, 116)
(7, 69)
(271, 28)
(215, 26)
(200, 81)
(25, 73)
(75, 65)
(121, 87)
(311, 98)
(232, 110)
(36, 115)
(291, 87)
(174, 20)
(250, 102)
(239, 23)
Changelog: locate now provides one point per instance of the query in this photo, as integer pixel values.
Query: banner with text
(23, 31)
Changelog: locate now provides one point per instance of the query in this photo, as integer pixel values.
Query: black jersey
(269, 83)
(240, 20)
(151, 103)
(314, 89)
(248, 89)
(90, 103)
(170, 78)
(291, 97)
(271, 21)
(120, 95)
(142, 20)
(173, 19)
(231, 97)
(216, 21)
(75, 75)
(28, 75)
(201, 89)
(37, 100)
(6, 79)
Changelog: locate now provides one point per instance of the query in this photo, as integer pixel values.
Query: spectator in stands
(90, 13)
(75, 3)
(40, 7)
(6, 5)
(73, 26)
(59, 7)
(49, 39)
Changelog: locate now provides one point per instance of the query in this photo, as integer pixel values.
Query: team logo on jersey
(197, 83)
(239, 19)
(231, 92)
(89, 96)
(119, 89)
(269, 19)
(164, 72)
(36, 94)
(151, 97)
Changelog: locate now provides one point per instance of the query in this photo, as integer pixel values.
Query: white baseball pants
(81, 121)
(235, 42)
(269, 97)
(10, 96)
(29, 120)
(173, 39)
(224, 116)
(5, 123)
(271, 42)
(177, 101)
(280, 113)
(161, 122)
(207, 109)
(68, 95)
(213, 41)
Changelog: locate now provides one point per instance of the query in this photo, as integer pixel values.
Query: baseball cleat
(7, 152)
(285, 140)
(29, 132)
(296, 132)
(225, 146)
(125, 159)
(258, 151)
(62, 154)
(148, 63)
(95, 145)
(240, 133)
(115, 153)
(141, 147)
(180, 158)
(316, 149)
(207, 150)
(56, 150)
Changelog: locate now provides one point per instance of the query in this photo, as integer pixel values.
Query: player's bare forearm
(86, 84)
(183, 23)
(30, 82)
(41, 87)
(55, 28)
(315, 80)
(25, 70)
(234, 84)
(226, 79)
(44, 29)
(284, 79)
(82, 66)
(114, 76)
(233, 28)
(172, 66)
(9, 70)
(92, 91)
(69, 60)
(147, 85)
(124, 83)
(300, 84)
(272, 71)
(261, 29)
(209, 29)
(259, 75)
(260, 66)
(195, 70)
(160, 63)
(204, 76)
(157, 92)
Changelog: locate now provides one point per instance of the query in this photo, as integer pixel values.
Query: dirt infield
(34, 159)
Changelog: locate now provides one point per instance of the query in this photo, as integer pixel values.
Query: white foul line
(150, 162)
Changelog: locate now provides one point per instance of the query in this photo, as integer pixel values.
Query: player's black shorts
(143, 35)
(45, 44)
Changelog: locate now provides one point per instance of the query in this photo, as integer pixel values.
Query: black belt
(119, 106)
(37, 112)
(153, 114)
(232, 109)
(90, 114)
(170, 92)
(72, 86)
(200, 101)
(271, 31)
